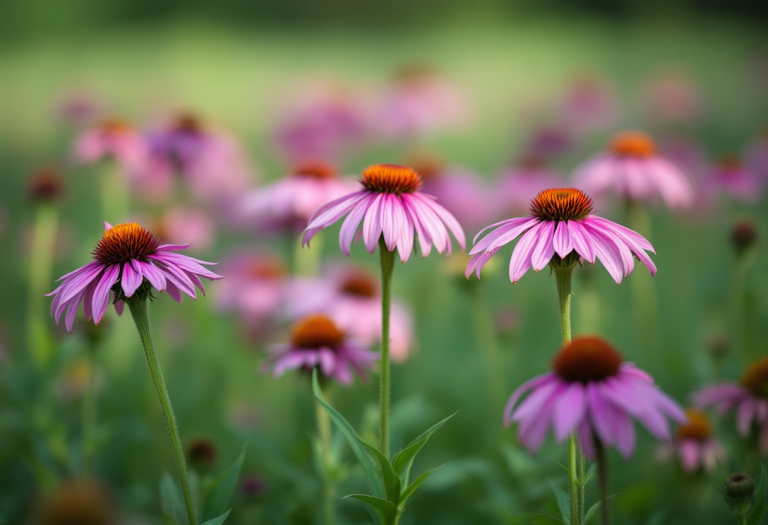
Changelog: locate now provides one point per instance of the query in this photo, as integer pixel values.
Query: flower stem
(602, 479)
(564, 278)
(387, 267)
(88, 415)
(326, 463)
(141, 318)
(40, 265)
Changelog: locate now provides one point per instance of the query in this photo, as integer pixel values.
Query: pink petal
(569, 410)
(130, 279)
(101, 293)
(372, 224)
(522, 389)
(562, 241)
(521, 256)
(544, 250)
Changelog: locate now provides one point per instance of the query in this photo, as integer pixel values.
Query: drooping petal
(445, 216)
(349, 227)
(522, 389)
(521, 256)
(582, 242)
(689, 455)
(372, 224)
(506, 233)
(173, 291)
(544, 249)
(155, 277)
(562, 241)
(101, 293)
(570, 409)
(130, 280)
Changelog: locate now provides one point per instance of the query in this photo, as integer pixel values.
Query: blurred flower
(324, 121)
(74, 378)
(392, 208)
(687, 154)
(317, 342)
(673, 98)
(519, 184)
(201, 454)
(252, 485)
(562, 223)
(632, 169)
(694, 444)
(288, 203)
(460, 190)
(738, 491)
(507, 320)
(210, 160)
(79, 108)
(732, 177)
(77, 502)
(756, 156)
(124, 257)
(548, 141)
(743, 235)
(419, 102)
(112, 139)
(253, 287)
(749, 398)
(189, 225)
(718, 347)
(593, 392)
(350, 296)
(45, 185)
(591, 103)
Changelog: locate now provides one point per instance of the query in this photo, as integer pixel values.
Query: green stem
(40, 269)
(326, 462)
(387, 267)
(141, 318)
(89, 412)
(742, 519)
(602, 479)
(115, 194)
(564, 278)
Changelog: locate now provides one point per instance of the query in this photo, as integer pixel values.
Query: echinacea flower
(316, 341)
(674, 98)
(694, 444)
(391, 207)
(352, 299)
(562, 224)
(749, 399)
(112, 139)
(288, 203)
(590, 103)
(592, 392)
(631, 169)
(732, 177)
(128, 259)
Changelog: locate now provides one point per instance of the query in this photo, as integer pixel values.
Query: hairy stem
(387, 268)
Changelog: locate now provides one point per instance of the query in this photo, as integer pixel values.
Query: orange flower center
(427, 166)
(698, 427)
(188, 123)
(755, 379)
(563, 204)
(269, 269)
(359, 285)
(125, 242)
(632, 144)
(315, 170)
(316, 331)
(585, 359)
(730, 162)
(390, 178)
(115, 127)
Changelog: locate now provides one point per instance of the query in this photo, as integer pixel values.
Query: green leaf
(593, 509)
(391, 479)
(171, 502)
(408, 492)
(760, 507)
(563, 502)
(219, 520)
(385, 510)
(404, 459)
(590, 473)
(355, 443)
(219, 491)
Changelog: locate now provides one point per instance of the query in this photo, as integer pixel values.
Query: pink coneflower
(112, 139)
(209, 159)
(631, 169)
(126, 255)
(694, 444)
(288, 203)
(593, 392)
(731, 177)
(521, 182)
(749, 399)
(390, 207)
(351, 297)
(549, 141)
(756, 156)
(562, 225)
(187, 225)
(317, 342)
(673, 98)
(590, 104)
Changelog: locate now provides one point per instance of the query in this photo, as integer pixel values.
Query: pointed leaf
(220, 490)
(408, 492)
(355, 443)
(760, 506)
(171, 503)
(219, 520)
(391, 479)
(385, 510)
(590, 473)
(404, 459)
(563, 502)
(593, 509)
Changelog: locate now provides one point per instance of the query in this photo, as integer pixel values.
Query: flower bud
(45, 185)
(738, 490)
(743, 235)
(80, 502)
(201, 454)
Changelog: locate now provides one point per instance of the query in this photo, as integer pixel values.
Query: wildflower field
(597, 354)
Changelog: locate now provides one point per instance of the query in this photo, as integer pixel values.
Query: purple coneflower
(288, 203)
(113, 139)
(749, 398)
(317, 342)
(732, 177)
(694, 444)
(631, 169)
(562, 225)
(593, 392)
(126, 255)
(390, 207)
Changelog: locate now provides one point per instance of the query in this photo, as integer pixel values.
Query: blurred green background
(232, 62)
